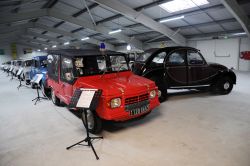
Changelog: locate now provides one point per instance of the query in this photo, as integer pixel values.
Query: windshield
(26, 63)
(93, 65)
(143, 57)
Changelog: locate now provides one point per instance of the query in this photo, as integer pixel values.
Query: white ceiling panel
(51, 34)
(210, 28)
(36, 30)
(46, 21)
(175, 23)
(221, 14)
(135, 3)
(68, 26)
(198, 18)
(231, 26)
(78, 4)
(189, 31)
(65, 8)
(156, 12)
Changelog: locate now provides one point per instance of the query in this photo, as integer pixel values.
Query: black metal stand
(20, 84)
(38, 98)
(88, 139)
(12, 76)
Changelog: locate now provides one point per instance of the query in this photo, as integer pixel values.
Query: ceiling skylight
(178, 5)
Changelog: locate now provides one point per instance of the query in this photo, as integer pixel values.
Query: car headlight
(152, 94)
(116, 102)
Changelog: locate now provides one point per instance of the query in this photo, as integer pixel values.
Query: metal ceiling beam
(49, 4)
(101, 29)
(12, 34)
(74, 36)
(238, 13)
(9, 18)
(132, 14)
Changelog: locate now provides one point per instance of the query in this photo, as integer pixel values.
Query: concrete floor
(190, 129)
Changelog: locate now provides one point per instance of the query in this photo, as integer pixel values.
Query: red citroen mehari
(124, 95)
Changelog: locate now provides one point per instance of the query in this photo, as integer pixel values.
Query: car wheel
(224, 85)
(94, 122)
(162, 90)
(55, 99)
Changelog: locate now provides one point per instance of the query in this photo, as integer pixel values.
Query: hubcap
(159, 93)
(226, 85)
(90, 118)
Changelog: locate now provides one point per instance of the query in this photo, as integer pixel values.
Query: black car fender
(223, 73)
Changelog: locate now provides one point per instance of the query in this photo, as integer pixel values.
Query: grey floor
(190, 129)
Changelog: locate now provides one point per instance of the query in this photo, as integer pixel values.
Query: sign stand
(19, 73)
(11, 72)
(36, 79)
(86, 99)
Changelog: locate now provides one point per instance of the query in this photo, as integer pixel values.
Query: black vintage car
(183, 68)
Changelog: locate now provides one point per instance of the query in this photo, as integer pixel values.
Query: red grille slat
(136, 99)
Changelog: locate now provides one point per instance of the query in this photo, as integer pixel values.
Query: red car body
(130, 88)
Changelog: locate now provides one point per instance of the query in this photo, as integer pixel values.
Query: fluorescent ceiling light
(115, 31)
(45, 48)
(171, 19)
(86, 38)
(54, 46)
(66, 43)
(238, 34)
(178, 5)
(39, 50)
(128, 47)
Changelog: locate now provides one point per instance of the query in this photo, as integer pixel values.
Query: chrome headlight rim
(115, 102)
(152, 94)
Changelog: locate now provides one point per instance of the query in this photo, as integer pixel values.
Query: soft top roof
(168, 49)
(81, 52)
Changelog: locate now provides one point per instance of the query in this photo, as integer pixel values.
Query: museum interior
(125, 82)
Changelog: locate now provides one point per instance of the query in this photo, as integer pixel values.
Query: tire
(55, 100)
(162, 90)
(224, 85)
(94, 122)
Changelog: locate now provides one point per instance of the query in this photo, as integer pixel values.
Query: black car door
(198, 70)
(176, 68)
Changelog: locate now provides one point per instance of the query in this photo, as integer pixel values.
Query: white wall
(244, 65)
(7, 56)
(20, 53)
(224, 51)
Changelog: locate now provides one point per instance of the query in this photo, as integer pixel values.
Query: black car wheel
(55, 99)
(224, 85)
(94, 122)
(162, 90)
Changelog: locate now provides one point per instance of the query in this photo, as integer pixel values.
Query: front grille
(136, 99)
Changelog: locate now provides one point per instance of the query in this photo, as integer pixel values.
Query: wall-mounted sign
(245, 55)
(27, 50)
(2, 51)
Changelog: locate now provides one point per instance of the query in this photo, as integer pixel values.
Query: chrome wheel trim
(226, 85)
(90, 117)
(159, 93)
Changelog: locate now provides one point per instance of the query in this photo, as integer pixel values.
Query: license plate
(139, 110)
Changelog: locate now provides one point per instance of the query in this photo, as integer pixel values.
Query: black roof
(168, 49)
(81, 52)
